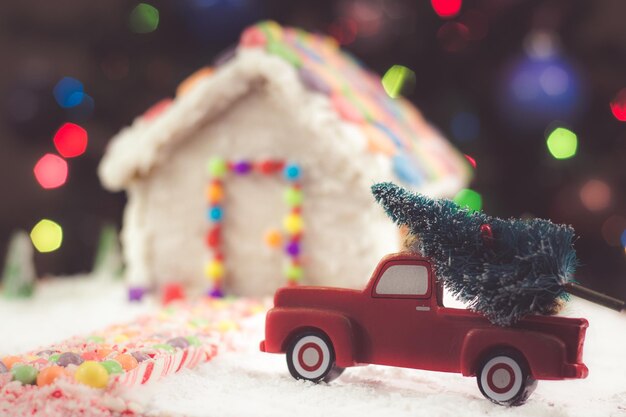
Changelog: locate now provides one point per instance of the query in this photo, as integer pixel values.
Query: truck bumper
(575, 370)
(262, 346)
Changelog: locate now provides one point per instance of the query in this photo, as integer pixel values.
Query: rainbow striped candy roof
(421, 158)
(392, 126)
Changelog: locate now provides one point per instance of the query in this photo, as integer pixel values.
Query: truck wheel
(311, 357)
(504, 378)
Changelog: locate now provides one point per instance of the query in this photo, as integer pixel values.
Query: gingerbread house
(258, 172)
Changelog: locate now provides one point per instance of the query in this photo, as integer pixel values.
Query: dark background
(478, 79)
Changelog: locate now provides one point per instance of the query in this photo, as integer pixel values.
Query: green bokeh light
(562, 143)
(47, 236)
(144, 18)
(470, 199)
(398, 78)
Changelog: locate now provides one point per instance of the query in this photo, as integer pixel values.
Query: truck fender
(283, 324)
(544, 353)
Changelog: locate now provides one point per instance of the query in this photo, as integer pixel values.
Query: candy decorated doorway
(254, 224)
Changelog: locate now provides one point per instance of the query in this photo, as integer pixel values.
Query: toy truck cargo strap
(399, 320)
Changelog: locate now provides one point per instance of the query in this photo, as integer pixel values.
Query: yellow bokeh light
(47, 236)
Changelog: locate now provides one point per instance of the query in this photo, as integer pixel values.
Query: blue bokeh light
(537, 90)
(68, 92)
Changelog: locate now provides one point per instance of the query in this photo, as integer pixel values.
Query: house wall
(346, 231)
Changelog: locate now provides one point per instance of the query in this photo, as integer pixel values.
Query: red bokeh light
(453, 36)
(51, 171)
(618, 105)
(344, 32)
(446, 8)
(477, 24)
(471, 160)
(595, 195)
(71, 140)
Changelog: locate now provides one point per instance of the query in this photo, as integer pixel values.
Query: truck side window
(403, 280)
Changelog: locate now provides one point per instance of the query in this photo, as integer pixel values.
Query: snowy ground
(257, 384)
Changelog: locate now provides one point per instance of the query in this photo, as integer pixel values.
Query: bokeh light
(465, 126)
(51, 171)
(71, 140)
(83, 111)
(618, 105)
(344, 31)
(453, 36)
(477, 24)
(536, 90)
(68, 92)
(613, 229)
(144, 18)
(469, 199)
(554, 80)
(446, 8)
(540, 44)
(471, 160)
(595, 195)
(562, 143)
(47, 236)
(398, 79)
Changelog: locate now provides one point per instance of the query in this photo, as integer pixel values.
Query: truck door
(402, 318)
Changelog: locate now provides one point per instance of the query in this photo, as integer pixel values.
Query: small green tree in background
(504, 269)
(108, 261)
(18, 276)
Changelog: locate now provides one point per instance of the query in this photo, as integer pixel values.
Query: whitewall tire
(311, 357)
(504, 378)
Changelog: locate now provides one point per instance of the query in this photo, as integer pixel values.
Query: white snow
(62, 308)
(248, 382)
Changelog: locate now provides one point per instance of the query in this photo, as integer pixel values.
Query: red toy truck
(399, 320)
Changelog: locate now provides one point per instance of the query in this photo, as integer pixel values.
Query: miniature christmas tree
(504, 269)
(108, 254)
(19, 274)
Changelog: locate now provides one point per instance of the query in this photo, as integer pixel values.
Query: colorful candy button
(217, 167)
(164, 346)
(9, 361)
(178, 342)
(215, 192)
(293, 223)
(283, 51)
(112, 366)
(346, 109)
(214, 269)
(215, 214)
(292, 172)
(253, 37)
(128, 362)
(193, 340)
(273, 238)
(192, 80)
(214, 237)
(294, 273)
(140, 356)
(313, 82)
(69, 358)
(293, 197)
(48, 375)
(93, 374)
(26, 374)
